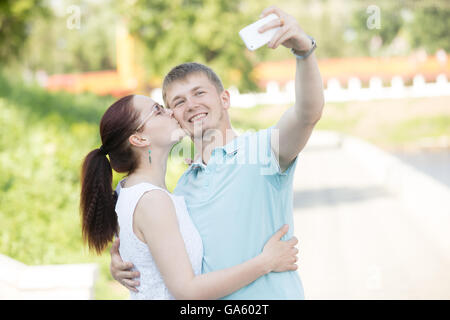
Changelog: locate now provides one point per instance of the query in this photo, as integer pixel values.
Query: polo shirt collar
(234, 145)
(230, 148)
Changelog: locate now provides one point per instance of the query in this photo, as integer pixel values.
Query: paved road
(435, 163)
(356, 239)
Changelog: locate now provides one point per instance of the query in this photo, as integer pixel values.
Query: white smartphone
(252, 38)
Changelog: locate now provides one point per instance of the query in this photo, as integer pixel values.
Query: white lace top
(133, 250)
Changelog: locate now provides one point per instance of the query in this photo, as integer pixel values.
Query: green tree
(58, 46)
(15, 24)
(430, 28)
(363, 22)
(205, 31)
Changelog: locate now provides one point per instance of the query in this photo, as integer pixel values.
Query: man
(239, 189)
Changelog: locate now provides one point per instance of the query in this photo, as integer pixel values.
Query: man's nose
(190, 103)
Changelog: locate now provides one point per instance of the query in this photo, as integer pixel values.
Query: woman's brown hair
(98, 200)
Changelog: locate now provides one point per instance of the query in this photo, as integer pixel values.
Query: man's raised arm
(296, 124)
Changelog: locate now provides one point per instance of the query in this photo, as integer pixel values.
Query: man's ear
(137, 141)
(225, 98)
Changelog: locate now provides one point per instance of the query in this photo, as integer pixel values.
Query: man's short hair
(182, 71)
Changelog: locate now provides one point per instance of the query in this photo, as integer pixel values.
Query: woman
(155, 230)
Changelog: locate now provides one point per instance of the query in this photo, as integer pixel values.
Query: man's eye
(199, 92)
(179, 103)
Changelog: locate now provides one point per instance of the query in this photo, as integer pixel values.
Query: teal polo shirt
(237, 202)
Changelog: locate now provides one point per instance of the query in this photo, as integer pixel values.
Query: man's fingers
(280, 36)
(269, 25)
(128, 275)
(130, 285)
(286, 36)
(125, 266)
(292, 241)
(281, 232)
(118, 265)
(131, 288)
(270, 10)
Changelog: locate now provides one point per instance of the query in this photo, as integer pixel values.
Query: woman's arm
(156, 222)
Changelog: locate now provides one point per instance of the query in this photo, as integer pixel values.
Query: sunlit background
(371, 190)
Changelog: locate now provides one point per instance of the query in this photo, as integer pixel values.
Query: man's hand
(289, 35)
(120, 270)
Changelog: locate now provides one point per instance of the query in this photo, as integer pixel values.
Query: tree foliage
(57, 45)
(422, 24)
(15, 24)
(205, 31)
(35, 34)
(431, 28)
(363, 21)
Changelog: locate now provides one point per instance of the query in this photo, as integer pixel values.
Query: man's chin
(198, 128)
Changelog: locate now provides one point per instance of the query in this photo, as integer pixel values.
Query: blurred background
(372, 188)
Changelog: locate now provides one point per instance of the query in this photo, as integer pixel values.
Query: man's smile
(198, 116)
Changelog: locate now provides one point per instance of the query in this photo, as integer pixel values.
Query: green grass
(418, 128)
(255, 118)
(346, 118)
(340, 124)
(260, 117)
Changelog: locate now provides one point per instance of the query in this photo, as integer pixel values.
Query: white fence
(336, 92)
(55, 282)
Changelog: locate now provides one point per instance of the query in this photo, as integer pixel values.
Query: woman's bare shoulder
(154, 203)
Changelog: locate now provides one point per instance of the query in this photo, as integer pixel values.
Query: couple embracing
(226, 231)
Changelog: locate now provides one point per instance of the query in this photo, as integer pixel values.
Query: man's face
(196, 102)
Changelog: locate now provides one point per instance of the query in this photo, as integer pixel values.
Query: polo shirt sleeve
(269, 166)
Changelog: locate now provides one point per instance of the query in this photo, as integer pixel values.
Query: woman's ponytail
(97, 201)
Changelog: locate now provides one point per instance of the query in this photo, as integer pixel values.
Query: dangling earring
(149, 157)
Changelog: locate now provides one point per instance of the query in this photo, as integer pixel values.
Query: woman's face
(156, 124)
